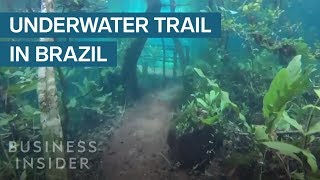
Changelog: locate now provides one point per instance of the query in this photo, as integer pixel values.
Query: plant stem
(261, 168)
(284, 166)
(309, 122)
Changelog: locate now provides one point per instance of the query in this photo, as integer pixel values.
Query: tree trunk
(65, 110)
(163, 62)
(177, 44)
(175, 67)
(179, 49)
(49, 111)
(131, 57)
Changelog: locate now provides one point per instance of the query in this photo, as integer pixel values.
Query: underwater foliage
(206, 108)
(288, 83)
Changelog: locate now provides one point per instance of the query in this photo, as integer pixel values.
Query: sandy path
(136, 147)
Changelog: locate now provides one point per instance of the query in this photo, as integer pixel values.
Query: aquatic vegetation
(19, 114)
(252, 7)
(208, 108)
(288, 83)
(301, 48)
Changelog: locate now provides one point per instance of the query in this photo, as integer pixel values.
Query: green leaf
(210, 82)
(288, 83)
(317, 91)
(104, 98)
(202, 102)
(298, 176)
(72, 103)
(82, 90)
(292, 122)
(260, 132)
(210, 121)
(275, 98)
(291, 150)
(6, 118)
(311, 159)
(213, 95)
(294, 67)
(218, 100)
(29, 111)
(314, 129)
(285, 149)
(225, 101)
(242, 117)
(199, 72)
(311, 106)
(4, 122)
(21, 88)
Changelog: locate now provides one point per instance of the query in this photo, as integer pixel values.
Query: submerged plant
(287, 84)
(207, 108)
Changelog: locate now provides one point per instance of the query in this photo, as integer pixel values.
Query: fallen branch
(164, 157)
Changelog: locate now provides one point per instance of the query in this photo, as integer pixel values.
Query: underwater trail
(138, 149)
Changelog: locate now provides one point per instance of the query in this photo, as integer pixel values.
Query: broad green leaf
(311, 159)
(288, 83)
(294, 67)
(210, 121)
(292, 122)
(281, 125)
(275, 99)
(225, 100)
(314, 129)
(285, 149)
(291, 150)
(260, 132)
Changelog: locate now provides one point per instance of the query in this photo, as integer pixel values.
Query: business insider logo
(25, 148)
